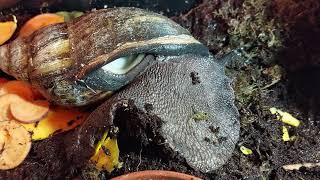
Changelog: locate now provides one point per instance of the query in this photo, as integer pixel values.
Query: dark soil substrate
(296, 93)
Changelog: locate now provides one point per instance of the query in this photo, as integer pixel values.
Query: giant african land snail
(137, 55)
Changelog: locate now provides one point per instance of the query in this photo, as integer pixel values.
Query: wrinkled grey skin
(175, 97)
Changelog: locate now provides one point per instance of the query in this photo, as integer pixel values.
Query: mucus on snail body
(143, 58)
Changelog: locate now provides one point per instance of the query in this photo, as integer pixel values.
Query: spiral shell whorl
(14, 59)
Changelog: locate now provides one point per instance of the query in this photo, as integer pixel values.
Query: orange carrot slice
(29, 112)
(20, 88)
(7, 29)
(3, 81)
(39, 22)
(36, 94)
(5, 102)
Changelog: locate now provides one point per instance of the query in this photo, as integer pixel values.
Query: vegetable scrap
(29, 112)
(3, 81)
(39, 22)
(68, 16)
(291, 167)
(19, 88)
(21, 102)
(7, 29)
(59, 119)
(200, 116)
(285, 134)
(285, 117)
(23, 114)
(5, 101)
(106, 155)
(15, 144)
(14, 106)
(245, 150)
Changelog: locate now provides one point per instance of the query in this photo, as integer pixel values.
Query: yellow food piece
(106, 156)
(200, 116)
(68, 16)
(58, 120)
(285, 117)
(293, 138)
(245, 150)
(7, 29)
(285, 134)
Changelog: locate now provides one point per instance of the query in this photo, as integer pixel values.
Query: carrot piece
(59, 119)
(20, 88)
(36, 94)
(15, 144)
(29, 112)
(7, 29)
(39, 22)
(3, 81)
(5, 102)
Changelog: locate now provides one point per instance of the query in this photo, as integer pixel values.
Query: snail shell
(66, 61)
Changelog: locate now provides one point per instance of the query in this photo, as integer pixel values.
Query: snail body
(143, 58)
(65, 60)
